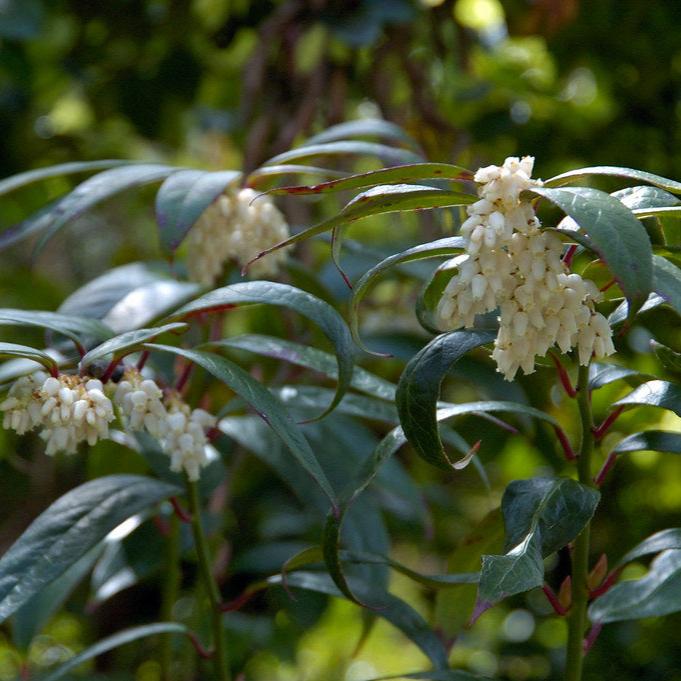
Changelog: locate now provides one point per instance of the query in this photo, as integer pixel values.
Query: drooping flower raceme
(141, 404)
(513, 266)
(237, 226)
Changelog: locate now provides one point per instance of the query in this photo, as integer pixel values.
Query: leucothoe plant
(539, 276)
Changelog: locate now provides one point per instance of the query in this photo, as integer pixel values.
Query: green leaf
(601, 374)
(283, 295)
(372, 127)
(267, 406)
(614, 171)
(655, 394)
(441, 675)
(541, 515)
(385, 176)
(389, 155)
(651, 440)
(434, 249)
(182, 199)
(660, 541)
(128, 342)
(75, 328)
(387, 606)
(115, 641)
(610, 229)
(13, 350)
(10, 184)
(419, 388)
(644, 197)
(656, 594)
(388, 198)
(68, 529)
(667, 281)
(659, 212)
(267, 172)
(88, 194)
(310, 358)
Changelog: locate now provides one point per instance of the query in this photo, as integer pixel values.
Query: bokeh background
(229, 83)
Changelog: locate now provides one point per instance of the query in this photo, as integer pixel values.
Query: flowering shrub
(533, 293)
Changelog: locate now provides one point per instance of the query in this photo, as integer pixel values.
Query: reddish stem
(202, 652)
(565, 443)
(606, 584)
(108, 373)
(54, 370)
(162, 525)
(601, 430)
(238, 602)
(592, 636)
(179, 511)
(184, 377)
(80, 348)
(605, 287)
(569, 255)
(563, 376)
(553, 600)
(605, 469)
(142, 360)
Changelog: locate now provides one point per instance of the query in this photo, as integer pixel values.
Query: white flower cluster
(515, 267)
(68, 409)
(237, 226)
(180, 430)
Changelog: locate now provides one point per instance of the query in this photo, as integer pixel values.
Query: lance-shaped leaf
(183, 197)
(71, 326)
(611, 230)
(601, 374)
(643, 197)
(439, 675)
(434, 249)
(661, 394)
(614, 171)
(68, 529)
(12, 351)
(128, 342)
(310, 358)
(387, 606)
(264, 403)
(394, 175)
(419, 388)
(660, 541)
(88, 194)
(14, 182)
(658, 212)
(541, 515)
(651, 440)
(388, 155)
(283, 295)
(262, 175)
(670, 360)
(370, 127)
(656, 594)
(388, 198)
(115, 641)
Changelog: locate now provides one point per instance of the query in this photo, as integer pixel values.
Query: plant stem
(171, 586)
(209, 584)
(580, 554)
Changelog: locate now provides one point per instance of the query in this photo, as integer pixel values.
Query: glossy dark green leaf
(283, 295)
(12, 350)
(441, 675)
(128, 342)
(614, 171)
(88, 194)
(660, 541)
(76, 328)
(434, 249)
(541, 515)
(183, 197)
(115, 641)
(656, 594)
(394, 175)
(388, 155)
(308, 357)
(601, 374)
(659, 212)
(265, 404)
(68, 529)
(670, 360)
(655, 394)
(261, 175)
(667, 281)
(643, 197)
(368, 127)
(419, 388)
(611, 230)
(14, 182)
(387, 606)
(651, 440)
(381, 199)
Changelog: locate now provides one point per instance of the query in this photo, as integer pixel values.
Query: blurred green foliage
(229, 83)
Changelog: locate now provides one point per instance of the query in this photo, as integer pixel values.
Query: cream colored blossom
(236, 227)
(21, 407)
(513, 266)
(141, 403)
